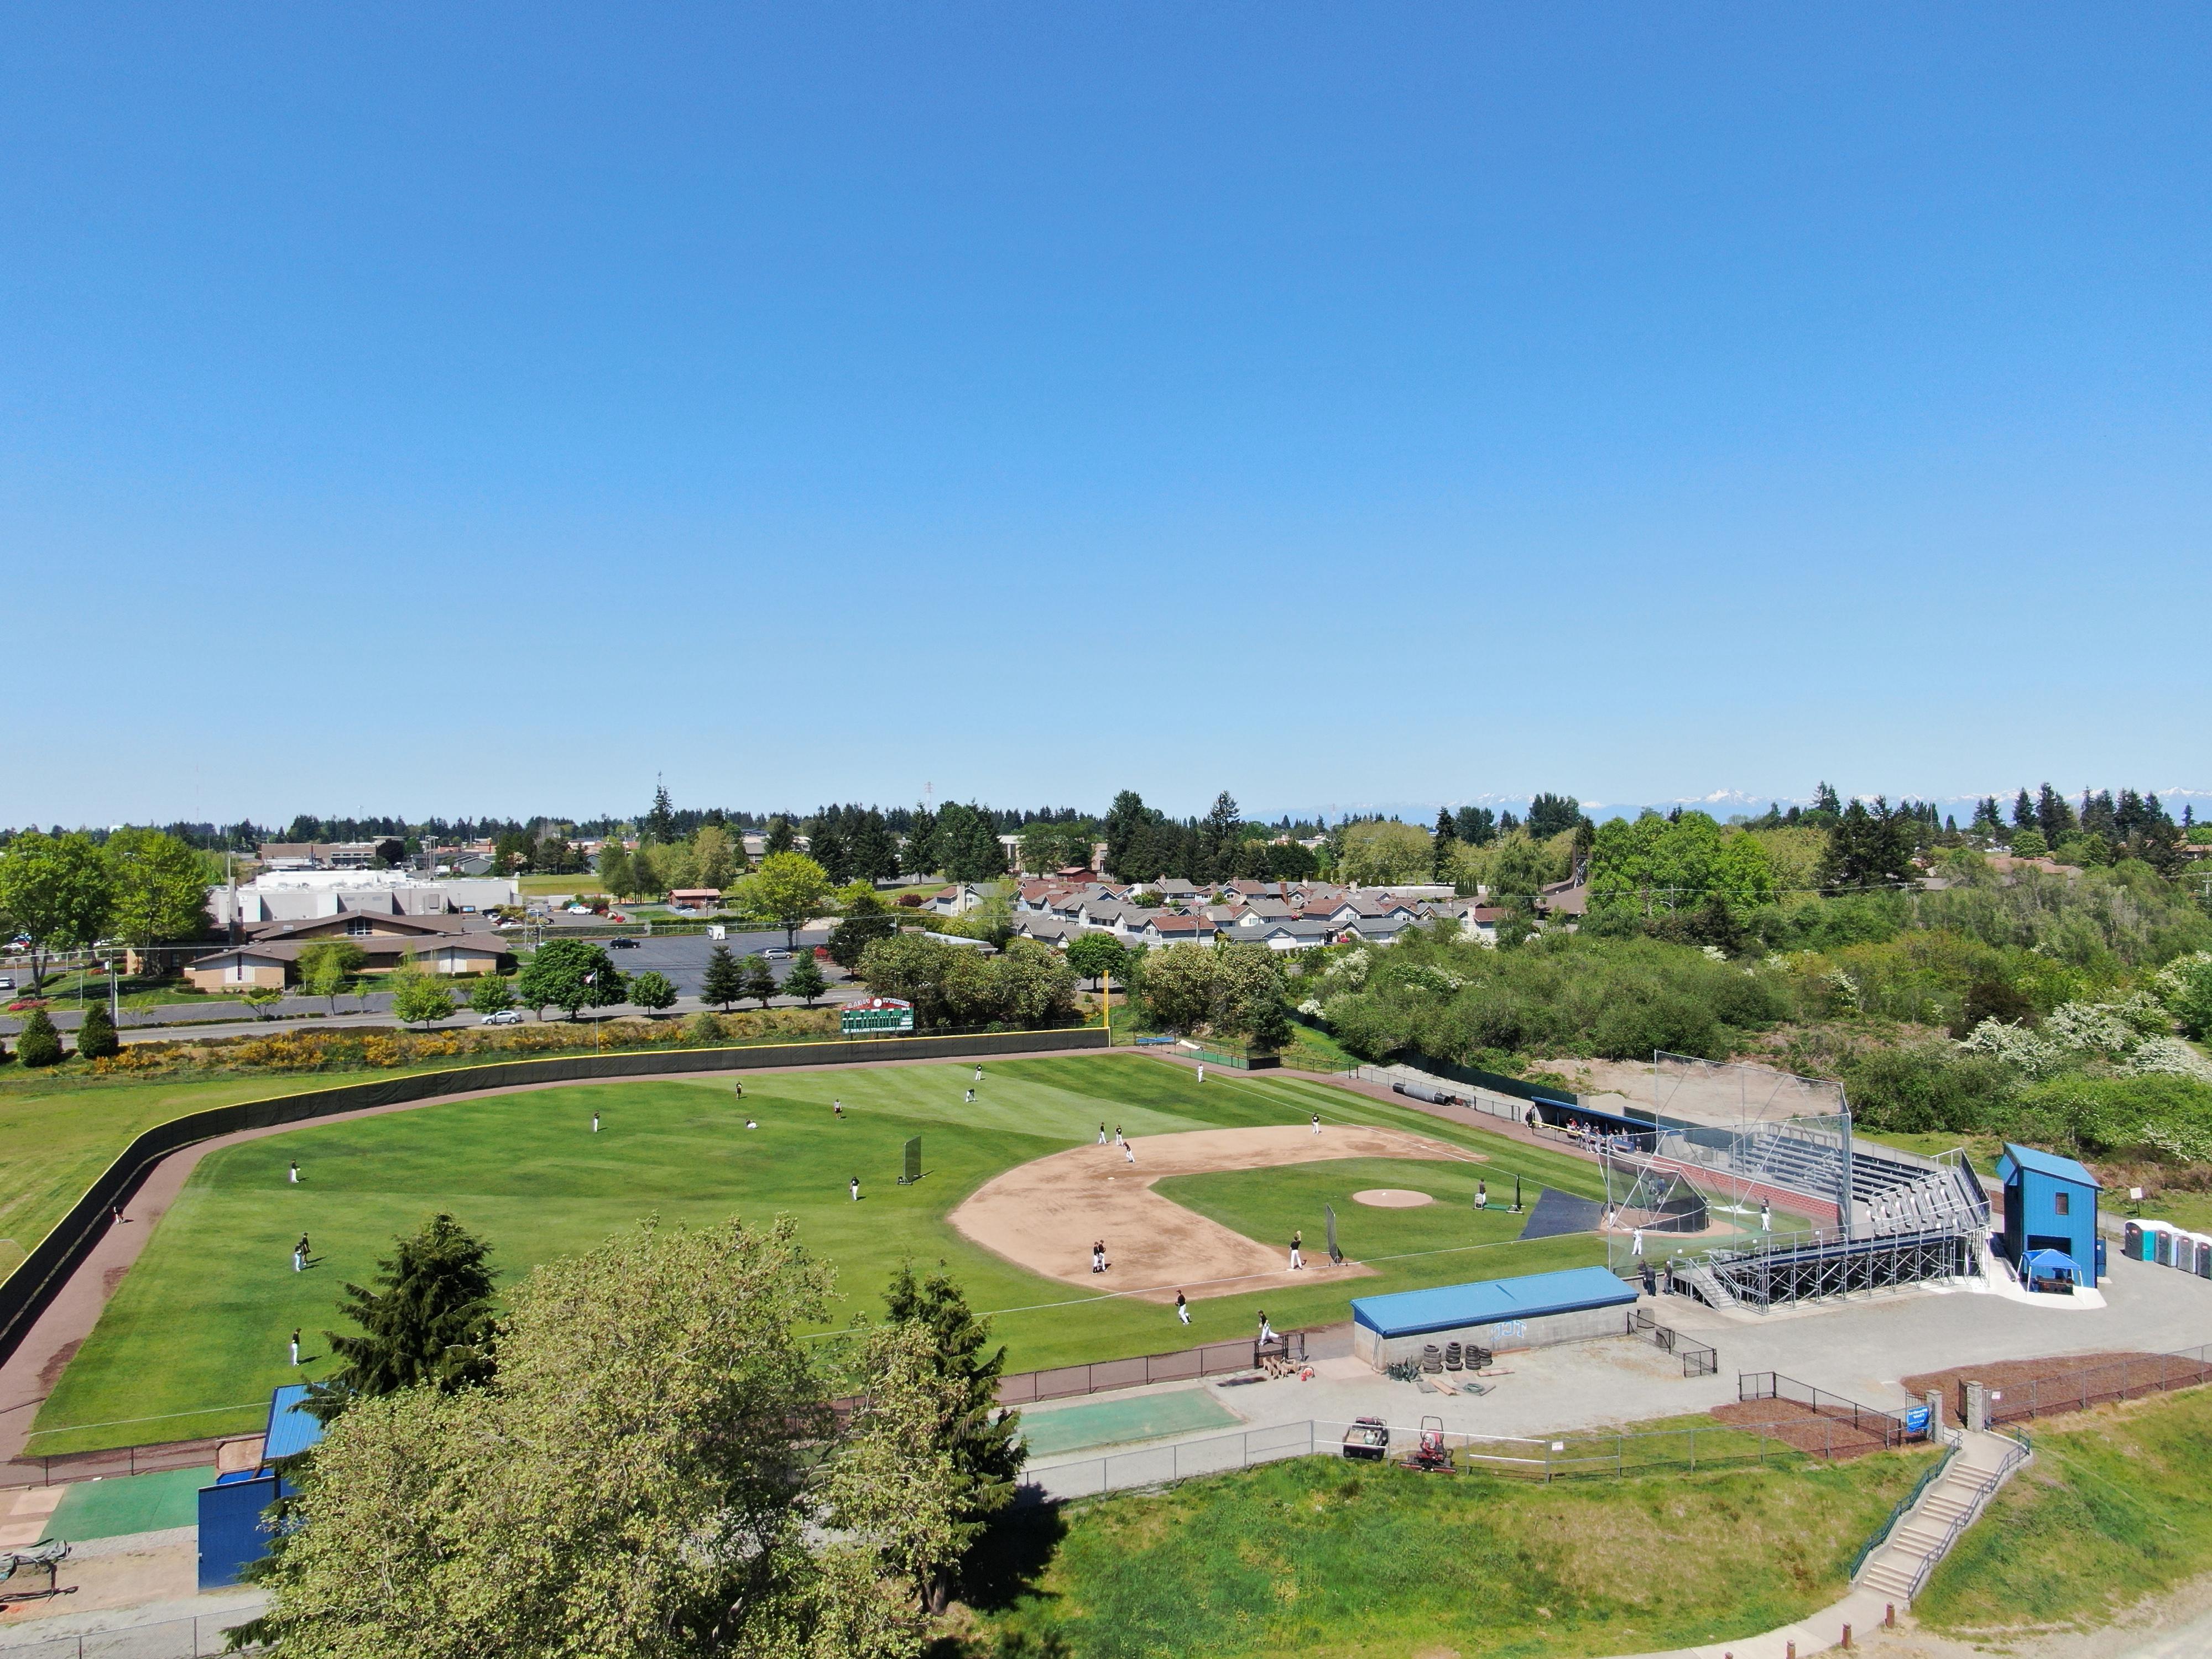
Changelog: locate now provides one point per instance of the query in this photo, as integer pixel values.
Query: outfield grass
(1319, 1557)
(199, 1325)
(2114, 1508)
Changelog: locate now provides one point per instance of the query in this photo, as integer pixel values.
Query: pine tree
(724, 981)
(780, 838)
(659, 824)
(95, 1037)
(2023, 811)
(804, 980)
(979, 1439)
(38, 1043)
(1445, 838)
(429, 1321)
(2053, 815)
(760, 980)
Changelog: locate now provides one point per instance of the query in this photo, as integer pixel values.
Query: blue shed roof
(292, 1428)
(1409, 1313)
(2045, 1164)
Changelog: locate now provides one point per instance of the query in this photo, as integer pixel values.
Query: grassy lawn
(1319, 1557)
(2114, 1509)
(1268, 1204)
(199, 1325)
(539, 886)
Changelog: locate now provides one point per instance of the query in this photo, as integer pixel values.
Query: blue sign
(1915, 1420)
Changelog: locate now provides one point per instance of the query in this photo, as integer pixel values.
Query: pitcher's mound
(1392, 1198)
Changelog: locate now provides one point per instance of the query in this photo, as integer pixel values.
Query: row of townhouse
(1282, 916)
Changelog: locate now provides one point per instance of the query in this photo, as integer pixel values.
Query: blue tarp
(1410, 1313)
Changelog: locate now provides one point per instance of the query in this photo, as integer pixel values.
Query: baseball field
(1216, 1179)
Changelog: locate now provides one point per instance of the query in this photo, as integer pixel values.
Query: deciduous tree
(161, 890)
(418, 998)
(1095, 955)
(492, 994)
(571, 974)
(59, 890)
(787, 887)
(650, 990)
(326, 965)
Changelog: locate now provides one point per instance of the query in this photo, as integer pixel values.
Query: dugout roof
(1449, 1307)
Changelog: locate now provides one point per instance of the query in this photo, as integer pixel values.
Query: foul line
(123, 1422)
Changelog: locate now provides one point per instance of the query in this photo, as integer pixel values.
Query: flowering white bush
(2169, 1053)
(2177, 1141)
(1843, 985)
(1714, 953)
(1349, 971)
(2183, 976)
(1431, 978)
(1311, 1008)
(2086, 1027)
(2029, 1050)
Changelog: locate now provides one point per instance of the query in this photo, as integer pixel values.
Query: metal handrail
(2022, 1452)
(1880, 1534)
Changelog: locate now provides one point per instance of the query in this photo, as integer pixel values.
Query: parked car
(622, 944)
(7, 982)
(504, 1017)
(779, 954)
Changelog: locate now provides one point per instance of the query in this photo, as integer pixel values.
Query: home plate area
(1046, 1214)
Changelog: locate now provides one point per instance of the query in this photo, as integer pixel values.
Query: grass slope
(1318, 1557)
(199, 1325)
(2113, 1509)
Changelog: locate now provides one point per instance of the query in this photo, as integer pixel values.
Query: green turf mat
(1114, 1422)
(127, 1504)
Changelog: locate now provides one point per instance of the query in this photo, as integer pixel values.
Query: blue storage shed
(2049, 1204)
(1494, 1313)
(233, 1511)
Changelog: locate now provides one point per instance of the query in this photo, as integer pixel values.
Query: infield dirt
(1045, 1215)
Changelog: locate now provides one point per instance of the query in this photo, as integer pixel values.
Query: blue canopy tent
(2050, 1270)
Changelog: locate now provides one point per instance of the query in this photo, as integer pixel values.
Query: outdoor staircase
(1898, 1570)
(1707, 1286)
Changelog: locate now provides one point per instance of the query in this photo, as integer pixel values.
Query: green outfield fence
(26, 1292)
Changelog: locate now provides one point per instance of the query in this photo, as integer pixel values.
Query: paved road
(682, 959)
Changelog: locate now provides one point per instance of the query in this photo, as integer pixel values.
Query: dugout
(233, 1512)
(1497, 1314)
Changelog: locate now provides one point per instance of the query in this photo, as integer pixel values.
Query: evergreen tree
(95, 1037)
(979, 1439)
(804, 980)
(1868, 848)
(1550, 814)
(38, 1043)
(1445, 838)
(760, 980)
(659, 826)
(1825, 799)
(2023, 811)
(920, 857)
(780, 838)
(2053, 815)
(871, 851)
(825, 845)
(724, 981)
(428, 1321)
(1477, 826)
(2100, 817)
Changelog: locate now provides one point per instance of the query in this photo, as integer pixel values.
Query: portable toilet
(2164, 1244)
(2131, 1241)
(2204, 1242)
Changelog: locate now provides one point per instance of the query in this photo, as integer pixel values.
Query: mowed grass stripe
(202, 1321)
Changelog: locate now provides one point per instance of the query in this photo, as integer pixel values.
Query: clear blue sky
(409, 413)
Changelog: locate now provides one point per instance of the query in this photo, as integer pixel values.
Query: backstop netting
(1736, 1094)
